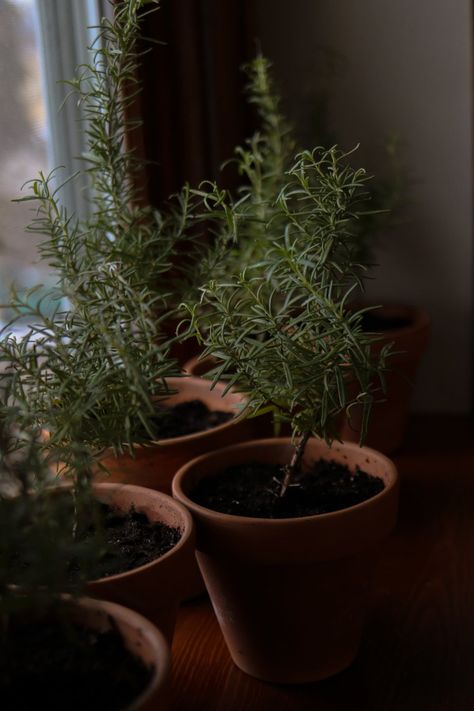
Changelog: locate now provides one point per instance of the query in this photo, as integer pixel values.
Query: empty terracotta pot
(290, 594)
(141, 638)
(389, 419)
(154, 589)
(155, 465)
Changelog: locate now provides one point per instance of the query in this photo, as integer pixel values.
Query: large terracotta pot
(155, 465)
(389, 419)
(141, 638)
(290, 594)
(154, 589)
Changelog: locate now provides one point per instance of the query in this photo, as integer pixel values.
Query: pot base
(322, 625)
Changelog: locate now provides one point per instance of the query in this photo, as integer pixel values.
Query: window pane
(24, 142)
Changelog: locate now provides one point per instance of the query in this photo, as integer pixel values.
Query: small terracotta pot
(155, 465)
(154, 589)
(290, 594)
(389, 419)
(141, 638)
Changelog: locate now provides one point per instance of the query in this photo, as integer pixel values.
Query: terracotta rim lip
(420, 318)
(203, 434)
(154, 636)
(285, 441)
(183, 541)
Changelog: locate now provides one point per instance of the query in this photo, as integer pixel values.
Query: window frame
(66, 31)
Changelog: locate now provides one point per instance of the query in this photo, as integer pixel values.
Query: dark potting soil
(46, 665)
(372, 322)
(186, 418)
(252, 490)
(131, 541)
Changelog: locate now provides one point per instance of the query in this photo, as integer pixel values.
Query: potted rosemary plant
(56, 650)
(263, 163)
(105, 359)
(286, 528)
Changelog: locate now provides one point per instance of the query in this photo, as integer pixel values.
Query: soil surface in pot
(48, 665)
(252, 490)
(131, 540)
(373, 322)
(186, 418)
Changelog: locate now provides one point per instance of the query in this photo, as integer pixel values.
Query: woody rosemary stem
(292, 469)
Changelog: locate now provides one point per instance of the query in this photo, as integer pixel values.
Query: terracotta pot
(141, 638)
(389, 419)
(290, 594)
(257, 427)
(155, 465)
(199, 366)
(154, 589)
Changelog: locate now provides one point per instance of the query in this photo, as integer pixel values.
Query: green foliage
(243, 231)
(281, 328)
(86, 376)
(37, 541)
(89, 375)
(91, 372)
(263, 162)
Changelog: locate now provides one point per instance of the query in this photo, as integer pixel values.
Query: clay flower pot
(389, 419)
(155, 465)
(154, 589)
(198, 366)
(290, 594)
(141, 638)
(255, 428)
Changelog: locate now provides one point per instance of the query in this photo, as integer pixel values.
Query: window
(41, 43)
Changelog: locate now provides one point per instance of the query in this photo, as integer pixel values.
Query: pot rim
(186, 534)
(181, 474)
(154, 636)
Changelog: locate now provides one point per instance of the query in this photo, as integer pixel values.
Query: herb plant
(281, 328)
(245, 234)
(91, 372)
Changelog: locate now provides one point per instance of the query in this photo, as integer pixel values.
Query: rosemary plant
(280, 328)
(245, 233)
(91, 373)
(242, 233)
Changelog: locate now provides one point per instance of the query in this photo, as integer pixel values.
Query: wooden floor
(418, 649)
